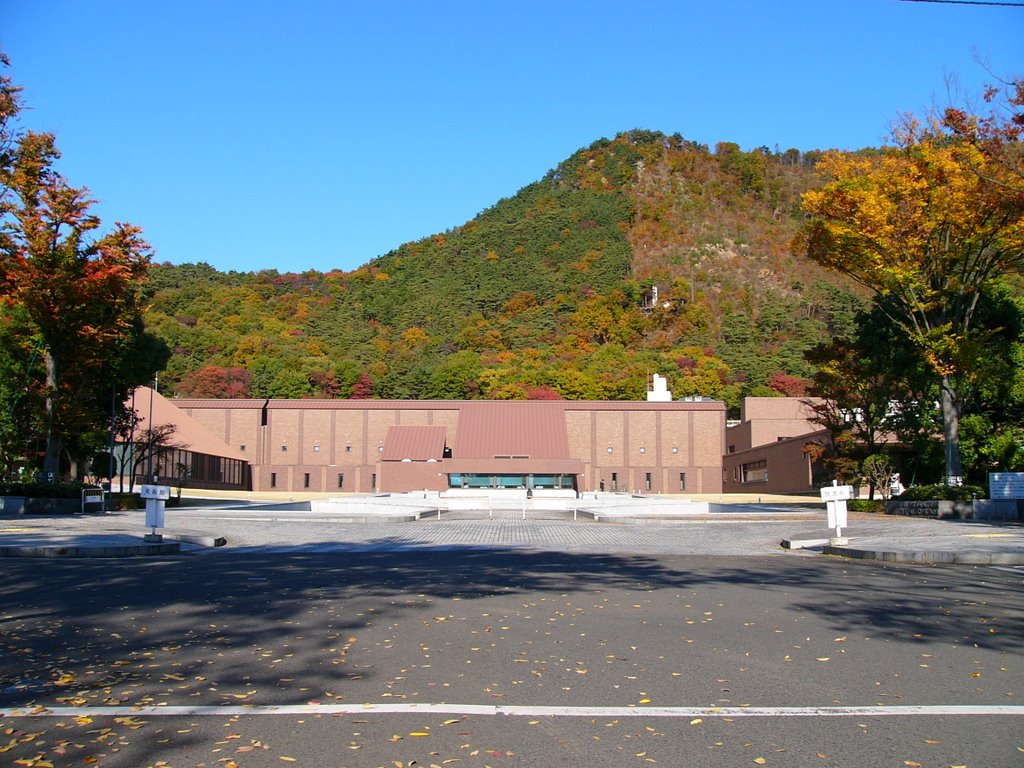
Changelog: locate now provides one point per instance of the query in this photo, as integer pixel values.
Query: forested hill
(549, 293)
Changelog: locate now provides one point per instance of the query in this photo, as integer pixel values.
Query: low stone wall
(19, 505)
(12, 505)
(999, 509)
(980, 509)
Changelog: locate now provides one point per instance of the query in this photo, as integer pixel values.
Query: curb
(198, 540)
(171, 545)
(131, 550)
(808, 542)
(928, 558)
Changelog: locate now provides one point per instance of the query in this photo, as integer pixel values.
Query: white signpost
(156, 496)
(835, 497)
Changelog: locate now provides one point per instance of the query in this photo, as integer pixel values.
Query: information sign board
(155, 492)
(1006, 485)
(835, 497)
(836, 492)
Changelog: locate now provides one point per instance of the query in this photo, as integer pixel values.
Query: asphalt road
(476, 656)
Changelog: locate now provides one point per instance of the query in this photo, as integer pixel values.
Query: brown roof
(448, 405)
(189, 434)
(415, 443)
(510, 429)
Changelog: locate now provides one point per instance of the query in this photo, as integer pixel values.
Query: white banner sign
(1006, 485)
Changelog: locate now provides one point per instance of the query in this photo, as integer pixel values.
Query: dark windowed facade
(196, 470)
(475, 480)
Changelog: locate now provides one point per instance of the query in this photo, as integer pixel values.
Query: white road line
(941, 710)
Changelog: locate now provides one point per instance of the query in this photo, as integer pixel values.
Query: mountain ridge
(547, 293)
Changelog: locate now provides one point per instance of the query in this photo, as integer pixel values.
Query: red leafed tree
(363, 388)
(997, 134)
(789, 386)
(216, 382)
(542, 393)
(80, 294)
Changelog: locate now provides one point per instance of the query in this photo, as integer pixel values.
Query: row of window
(306, 480)
(473, 480)
(648, 482)
(201, 469)
(316, 448)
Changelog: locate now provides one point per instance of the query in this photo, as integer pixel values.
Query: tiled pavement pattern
(291, 532)
(759, 532)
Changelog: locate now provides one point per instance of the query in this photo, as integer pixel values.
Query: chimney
(657, 391)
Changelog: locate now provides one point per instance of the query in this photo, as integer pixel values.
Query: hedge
(941, 492)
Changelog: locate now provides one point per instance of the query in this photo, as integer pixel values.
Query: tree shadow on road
(228, 627)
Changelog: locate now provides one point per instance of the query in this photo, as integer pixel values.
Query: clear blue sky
(311, 134)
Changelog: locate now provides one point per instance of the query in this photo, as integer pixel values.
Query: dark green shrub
(866, 505)
(44, 490)
(939, 492)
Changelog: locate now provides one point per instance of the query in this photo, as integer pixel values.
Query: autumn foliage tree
(927, 225)
(997, 135)
(215, 381)
(75, 296)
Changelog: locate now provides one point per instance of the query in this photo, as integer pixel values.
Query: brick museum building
(368, 446)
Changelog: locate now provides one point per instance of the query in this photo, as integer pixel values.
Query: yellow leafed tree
(927, 224)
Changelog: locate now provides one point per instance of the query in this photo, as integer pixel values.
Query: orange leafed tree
(927, 224)
(79, 293)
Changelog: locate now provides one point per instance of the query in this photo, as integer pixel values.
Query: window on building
(647, 481)
(732, 449)
(305, 480)
(284, 448)
(348, 449)
(615, 481)
(373, 481)
(242, 447)
(273, 479)
(682, 481)
(756, 471)
(341, 480)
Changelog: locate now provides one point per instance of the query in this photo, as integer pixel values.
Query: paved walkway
(761, 531)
